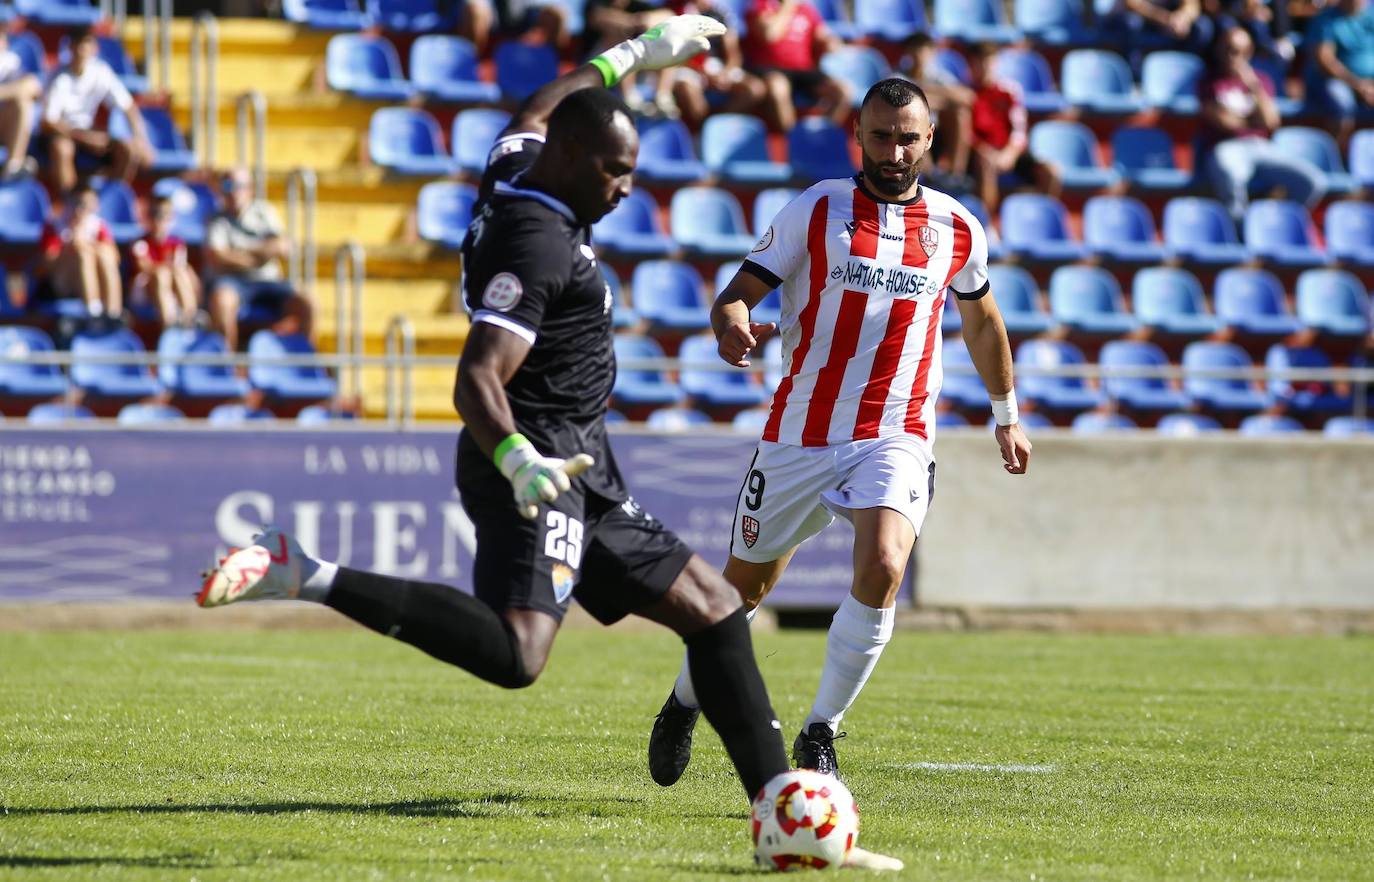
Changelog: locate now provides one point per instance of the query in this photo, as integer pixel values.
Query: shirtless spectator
(784, 45)
(79, 258)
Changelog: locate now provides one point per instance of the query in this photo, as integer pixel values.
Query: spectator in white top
(19, 92)
(74, 98)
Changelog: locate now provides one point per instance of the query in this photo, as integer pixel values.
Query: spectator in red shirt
(79, 258)
(163, 270)
(1000, 144)
(784, 45)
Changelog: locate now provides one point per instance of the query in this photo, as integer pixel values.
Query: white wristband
(1005, 410)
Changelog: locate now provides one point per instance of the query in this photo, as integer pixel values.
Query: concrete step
(260, 36)
(411, 261)
(368, 224)
(441, 335)
(433, 392)
(288, 148)
(352, 185)
(383, 298)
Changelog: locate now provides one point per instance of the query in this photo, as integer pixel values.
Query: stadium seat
(50, 413)
(1347, 427)
(1055, 22)
(769, 309)
(1304, 396)
(709, 221)
(1098, 81)
(1072, 149)
(1219, 393)
(1350, 231)
(1018, 299)
(952, 63)
(236, 413)
(1136, 392)
(1333, 302)
(750, 421)
(1319, 148)
(1201, 230)
(633, 228)
(622, 315)
(24, 209)
(950, 419)
(201, 381)
(321, 415)
(1087, 299)
(20, 379)
(1145, 156)
(819, 149)
(1035, 226)
(961, 383)
(1361, 158)
(1169, 80)
(890, 20)
(193, 206)
(407, 140)
(444, 211)
(1252, 301)
(58, 13)
(365, 66)
(974, 21)
(833, 12)
(445, 68)
(642, 386)
(325, 15)
(859, 67)
(980, 211)
(1095, 422)
(1281, 232)
(139, 414)
(170, 151)
(1258, 424)
(951, 321)
(119, 210)
(702, 382)
(286, 382)
(1122, 228)
(1029, 70)
(676, 419)
(521, 68)
(412, 16)
(735, 146)
(768, 203)
(666, 153)
(474, 132)
(1170, 300)
(669, 295)
(1053, 392)
(33, 56)
(1183, 425)
(113, 381)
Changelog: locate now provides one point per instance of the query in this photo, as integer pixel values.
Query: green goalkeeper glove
(533, 477)
(677, 40)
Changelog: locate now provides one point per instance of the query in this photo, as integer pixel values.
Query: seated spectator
(999, 135)
(19, 92)
(244, 247)
(1269, 24)
(951, 105)
(513, 19)
(784, 45)
(718, 74)
(1342, 37)
(78, 257)
(1179, 22)
(1238, 117)
(163, 272)
(611, 21)
(69, 117)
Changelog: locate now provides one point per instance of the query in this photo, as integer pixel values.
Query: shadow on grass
(169, 861)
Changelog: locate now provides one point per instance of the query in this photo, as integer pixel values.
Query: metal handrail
(350, 256)
(301, 187)
(252, 100)
(402, 329)
(204, 87)
(164, 74)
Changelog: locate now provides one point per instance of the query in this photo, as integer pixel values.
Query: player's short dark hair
(895, 92)
(587, 116)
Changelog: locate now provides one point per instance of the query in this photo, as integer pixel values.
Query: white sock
(858, 634)
(314, 586)
(683, 690)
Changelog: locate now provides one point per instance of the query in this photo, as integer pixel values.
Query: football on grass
(803, 820)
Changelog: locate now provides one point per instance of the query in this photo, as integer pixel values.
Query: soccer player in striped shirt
(866, 265)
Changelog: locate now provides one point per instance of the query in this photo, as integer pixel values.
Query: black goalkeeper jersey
(528, 268)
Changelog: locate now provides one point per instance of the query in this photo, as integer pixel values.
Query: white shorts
(791, 493)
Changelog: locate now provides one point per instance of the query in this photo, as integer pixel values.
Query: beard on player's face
(889, 178)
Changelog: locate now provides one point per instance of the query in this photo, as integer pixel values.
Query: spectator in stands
(514, 19)
(244, 247)
(1342, 37)
(951, 106)
(999, 133)
(718, 74)
(784, 45)
(74, 97)
(163, 272)
(1176, 21)
(19, 93)
(78, 257)
(1238, 116)
(611, 21)
(1269, 24)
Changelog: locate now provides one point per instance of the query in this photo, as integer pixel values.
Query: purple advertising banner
(116, 515)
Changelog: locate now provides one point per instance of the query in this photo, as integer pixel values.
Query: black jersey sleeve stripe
(761, 273)
(504, 321)
(973, 295)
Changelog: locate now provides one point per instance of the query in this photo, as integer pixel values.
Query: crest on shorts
(929, 238)
(749, 529)
(563, 581)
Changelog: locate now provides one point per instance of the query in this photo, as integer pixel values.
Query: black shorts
(806, 83)
(614, 557)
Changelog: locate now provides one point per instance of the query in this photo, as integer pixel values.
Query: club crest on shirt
(502, 292)
(765, 242)
(749, 529)
(929, 237)
(563, 581)
(505, 148)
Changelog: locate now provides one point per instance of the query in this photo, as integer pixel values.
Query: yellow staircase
(310, 127)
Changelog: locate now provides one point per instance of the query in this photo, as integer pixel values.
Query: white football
(803, 820)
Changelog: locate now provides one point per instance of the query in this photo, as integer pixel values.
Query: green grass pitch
(339, 755)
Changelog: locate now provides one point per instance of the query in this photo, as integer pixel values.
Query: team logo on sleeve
(502, 292)
(749, 529)
(929, 237)
(765, 243)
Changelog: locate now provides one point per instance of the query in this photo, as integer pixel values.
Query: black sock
(732, 696)
(446, 623)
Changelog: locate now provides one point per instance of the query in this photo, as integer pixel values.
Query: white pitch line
(982, 767)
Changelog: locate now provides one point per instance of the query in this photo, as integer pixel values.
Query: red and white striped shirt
(864, 284)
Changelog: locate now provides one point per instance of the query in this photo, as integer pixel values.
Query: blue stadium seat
(1062, 393)
(287, 382)
(1333, 302)
(961, 384)
(1145, 156)
(117, 381)
(768, 203)
(1018, 300)
(622, 315)
(951, 321)
(772, 363)
(51, 413)
(980, 211)
(412, 16)
(202, 381)
(1260, 424)
(1201, 230)
(444, 211)
(1303, 396)
(1319, 148)
(445, 67)
(23, 380)
(325, 15)
(193, 206)
(859, 67)
(769, 309)
(709, 221)
(322, 415)
(170, 151)
(521, 68)
(974, 21)
(1350, 231)
(1252, 301)
(676, 419)
(1055, 22)
(891, 20)
(32, 55)
(819, 149)
(139, 414)
(1281, 232)
(1233, 394)
(1072, 149)
(1037, 227)
(1099, 81)
(407, 140)
(119, 210)
(235, 413)
(61, 13)
(950, 419)
(1087, 299)
(24, 208)
(1169, 81)
(1095, 422)
(1347, 427)
(952, 63)
(1170, 300)
(474, 132)
(365, 66)
(1029, 70)
(668, 294)
(833, 12)
(1138, 393)
(1186, 425)
(1122, 228)
(642, 386)
(1361, 158)
(735, 146)
(750, 421)
(666, 153)
(633, 228)
(715, 388)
